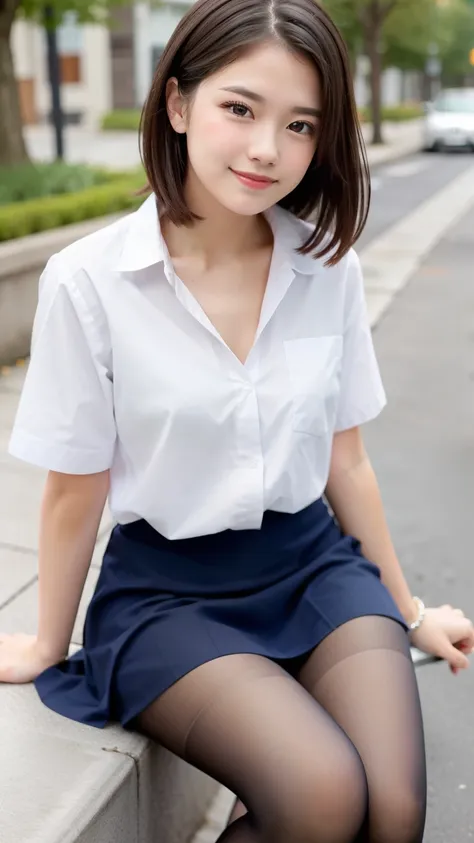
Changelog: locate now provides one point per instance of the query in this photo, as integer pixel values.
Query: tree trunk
(12, 144)
(373, 39)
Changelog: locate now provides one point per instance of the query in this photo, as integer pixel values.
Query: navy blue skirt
(161, 608)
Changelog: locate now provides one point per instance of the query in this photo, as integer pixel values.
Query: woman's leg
(362, 674)
(245, 722)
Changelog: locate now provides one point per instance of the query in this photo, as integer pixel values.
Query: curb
(391, 259)
(396, 147)
(389, 153)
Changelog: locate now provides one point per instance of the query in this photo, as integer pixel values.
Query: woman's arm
(71, 511)
(354, 496)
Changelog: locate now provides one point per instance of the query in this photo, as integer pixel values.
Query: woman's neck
(220, 237)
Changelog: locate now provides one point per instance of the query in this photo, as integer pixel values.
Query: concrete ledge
(62, 782)
(21, 263)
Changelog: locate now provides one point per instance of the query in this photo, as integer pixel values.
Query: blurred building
(152, 28)
(85, 65)
(137, 39)
(101, 68)
(104, 69)
(397, 85)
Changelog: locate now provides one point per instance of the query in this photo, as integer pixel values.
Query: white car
(449, 120)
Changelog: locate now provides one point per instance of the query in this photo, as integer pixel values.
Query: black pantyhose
(335, 755)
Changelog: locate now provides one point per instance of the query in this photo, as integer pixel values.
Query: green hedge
(35, 180)
(127, 120)
(394, 114)
(22, 218)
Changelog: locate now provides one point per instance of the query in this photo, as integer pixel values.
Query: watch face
(420, 658)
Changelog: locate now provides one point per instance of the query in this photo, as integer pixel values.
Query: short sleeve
(362, 396)
(65, 419)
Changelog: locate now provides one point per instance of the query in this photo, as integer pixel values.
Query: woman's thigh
(362, 675)
(244, 721)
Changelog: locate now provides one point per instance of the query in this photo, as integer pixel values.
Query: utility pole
(54, 79)
(433, 69)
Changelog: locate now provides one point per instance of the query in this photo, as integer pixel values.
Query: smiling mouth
(253, 178)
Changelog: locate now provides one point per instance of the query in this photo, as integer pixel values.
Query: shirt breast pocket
(314, 368)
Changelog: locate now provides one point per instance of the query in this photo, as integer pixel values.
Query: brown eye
(238, 109)
(302, 128)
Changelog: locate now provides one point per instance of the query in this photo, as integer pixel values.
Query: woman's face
(258, 117)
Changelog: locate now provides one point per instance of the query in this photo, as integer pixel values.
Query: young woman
(206, 364)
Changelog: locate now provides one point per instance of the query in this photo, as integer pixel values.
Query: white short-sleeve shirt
(127, 373)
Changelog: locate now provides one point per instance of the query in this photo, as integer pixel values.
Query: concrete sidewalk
(400, 139)
(119, 150)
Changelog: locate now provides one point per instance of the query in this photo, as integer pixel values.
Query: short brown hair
(335, 191)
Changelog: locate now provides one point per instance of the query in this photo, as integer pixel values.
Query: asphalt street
(399, 187)
(422, 448)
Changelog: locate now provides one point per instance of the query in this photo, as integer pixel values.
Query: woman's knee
(397, 816)
(323, 802)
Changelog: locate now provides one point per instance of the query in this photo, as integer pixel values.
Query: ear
(175, 106)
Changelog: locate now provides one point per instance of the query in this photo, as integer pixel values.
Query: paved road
(423, 450)
(402, 185)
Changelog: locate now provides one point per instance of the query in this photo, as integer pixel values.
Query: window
(70, 46)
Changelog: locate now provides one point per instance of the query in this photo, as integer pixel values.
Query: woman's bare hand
(22, 659)
(448, 634)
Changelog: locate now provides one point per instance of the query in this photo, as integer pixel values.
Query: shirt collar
(290, 233)
(144, 245)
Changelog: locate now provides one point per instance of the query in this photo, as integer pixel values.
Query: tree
(407, 47)
(12, 145)
(373, 18)
(373, 15)
(455, 50)
(447, 29)
(346, 16)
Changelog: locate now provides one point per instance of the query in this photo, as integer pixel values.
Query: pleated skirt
(162, 608)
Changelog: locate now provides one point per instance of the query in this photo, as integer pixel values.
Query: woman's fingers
(456, 658)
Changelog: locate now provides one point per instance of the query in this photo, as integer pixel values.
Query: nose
(264, 145)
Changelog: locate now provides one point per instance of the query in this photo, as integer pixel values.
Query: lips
(252, 177)
(252, 181)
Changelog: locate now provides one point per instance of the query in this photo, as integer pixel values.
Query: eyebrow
(251, 95)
